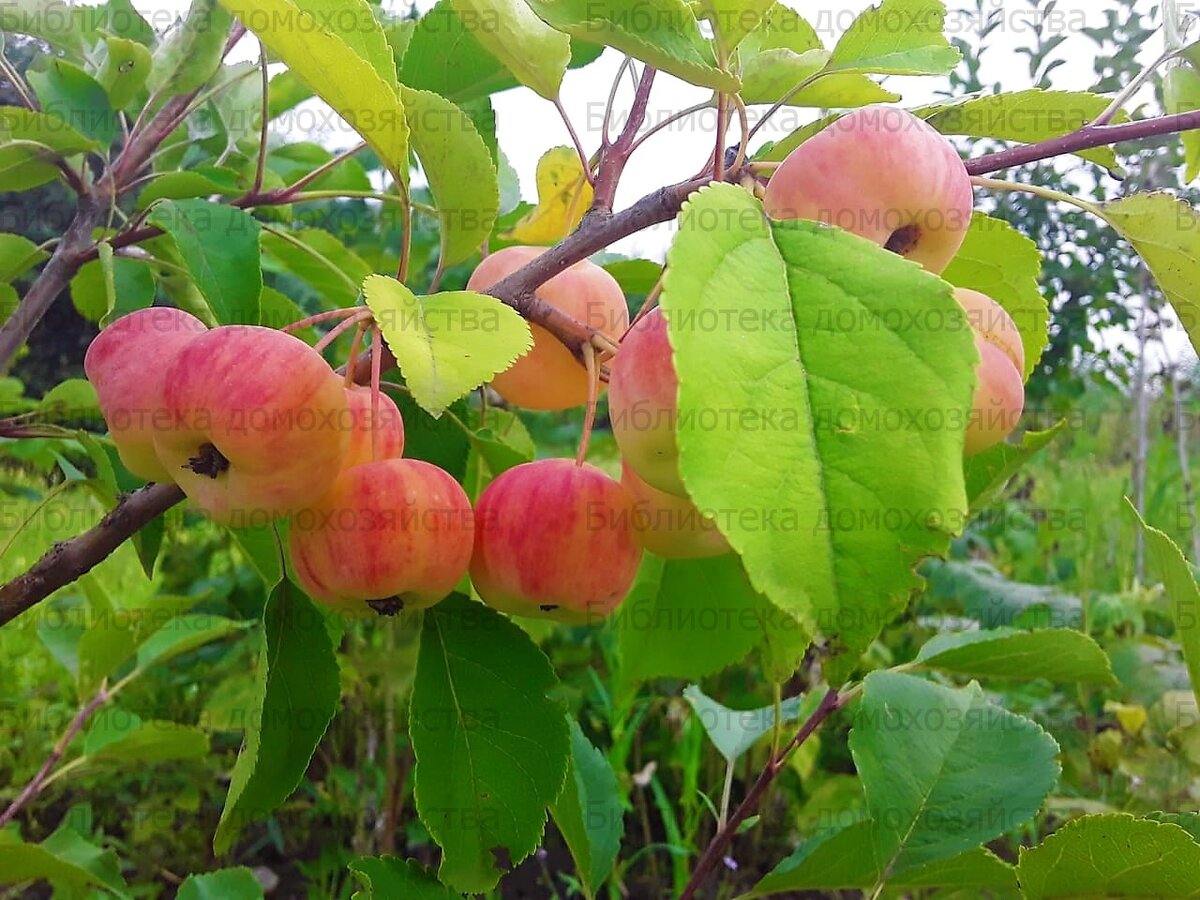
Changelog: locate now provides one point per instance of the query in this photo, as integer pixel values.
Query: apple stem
(321, 317)
(376, 368)
(589, 418)
(341, 328)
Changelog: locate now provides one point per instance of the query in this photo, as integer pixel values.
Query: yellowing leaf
(564, 195)
(1131, 717)
(446, 345)
(529, 48)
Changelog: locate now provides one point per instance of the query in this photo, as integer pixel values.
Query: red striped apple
(390, 535)
(642, 404)
(259, 424)
(548, 376)
(885, 175)
(669, 526)
(554, 540)
(1000, 392)
(363, 425)
(125, 364)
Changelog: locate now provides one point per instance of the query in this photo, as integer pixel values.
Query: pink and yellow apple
(548, 376)
(883, 174)
(258, 424)
(1000, 392)
(364, 424)
(125, 364)
(670, 526)
(390, 535)
(643, 404)
(554, 540)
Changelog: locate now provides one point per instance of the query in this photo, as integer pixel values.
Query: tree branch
(70, 559)
(614, 156)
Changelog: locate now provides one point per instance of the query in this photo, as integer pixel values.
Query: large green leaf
(1166, 232)
(662, 33)
(460, 171)
(897, 37)
(318, 49)
(1183, 592)
(191, 53)
(298, 690)
(1026, 116)
(108, 287)
(225, 884)
(491, 748)
(589, 812)
(944, 770)
(839, 860)
(65, 859)
(151, 742)
(1001, 262)
(356, 24)
(387, 877)
(447, 344)
(734, 19)
(219, 246)
(183, 634)
(65, 90)
(1057, 654)
(1112, 856)
(533, 51)
(846, 475)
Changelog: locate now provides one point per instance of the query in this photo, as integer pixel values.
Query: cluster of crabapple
(254, 425)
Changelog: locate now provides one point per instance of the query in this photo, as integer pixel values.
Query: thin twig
(584, 162)
(260, 165)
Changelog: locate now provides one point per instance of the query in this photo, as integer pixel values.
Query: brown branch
(70, 559)
(717, 847)
(614, 156)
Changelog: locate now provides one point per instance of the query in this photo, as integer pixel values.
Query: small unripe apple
(364, 424)
(125, 364)
(643, 404)
(669, 526)
(554, 540)
(259, 424)
(883, 174)
(1000, 392)
(390, 535)
(548, 376)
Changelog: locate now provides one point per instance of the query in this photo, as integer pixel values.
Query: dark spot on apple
(208, 461)
(388, 606)
(904, 240)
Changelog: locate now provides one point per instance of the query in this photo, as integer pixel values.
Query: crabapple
(389, 535)
(642, 404)
(363, 424)
(259, 423)
(125, 364)
(548, 376)
(554, 540)
(883, 174)
(1000, 392)
(670, 526)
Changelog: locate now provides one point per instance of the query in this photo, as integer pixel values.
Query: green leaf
(1181, 93)
(980, 592)
(589, 812)
(734, 731)
(688, 619)
(944, 770)
(734, 19)
(1183, 593)
(387, 877)
(59, 24)
(1057, 654)
(1001, 262)
(225, 884)
(1165, 231)
(662, 33)
(286, 92)
(191, 53)
(124, 71)
(530, 49)
(870, 499)
(18, 255)
(491, 749)
(219, 246)
(298, 689)
(836, 860)
(63, 857)
(152, 742)
(66, 91)
(1028, 116)
(333, 270)
(326, 60)
(446, 344)
(897, 37)
(355, 23)
(107, 642)
(30, 142)
(199, 182)
(1112, 856)
(460, 171)
(9, 301)
(98, 297)
(988, 472)
(182, 634)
